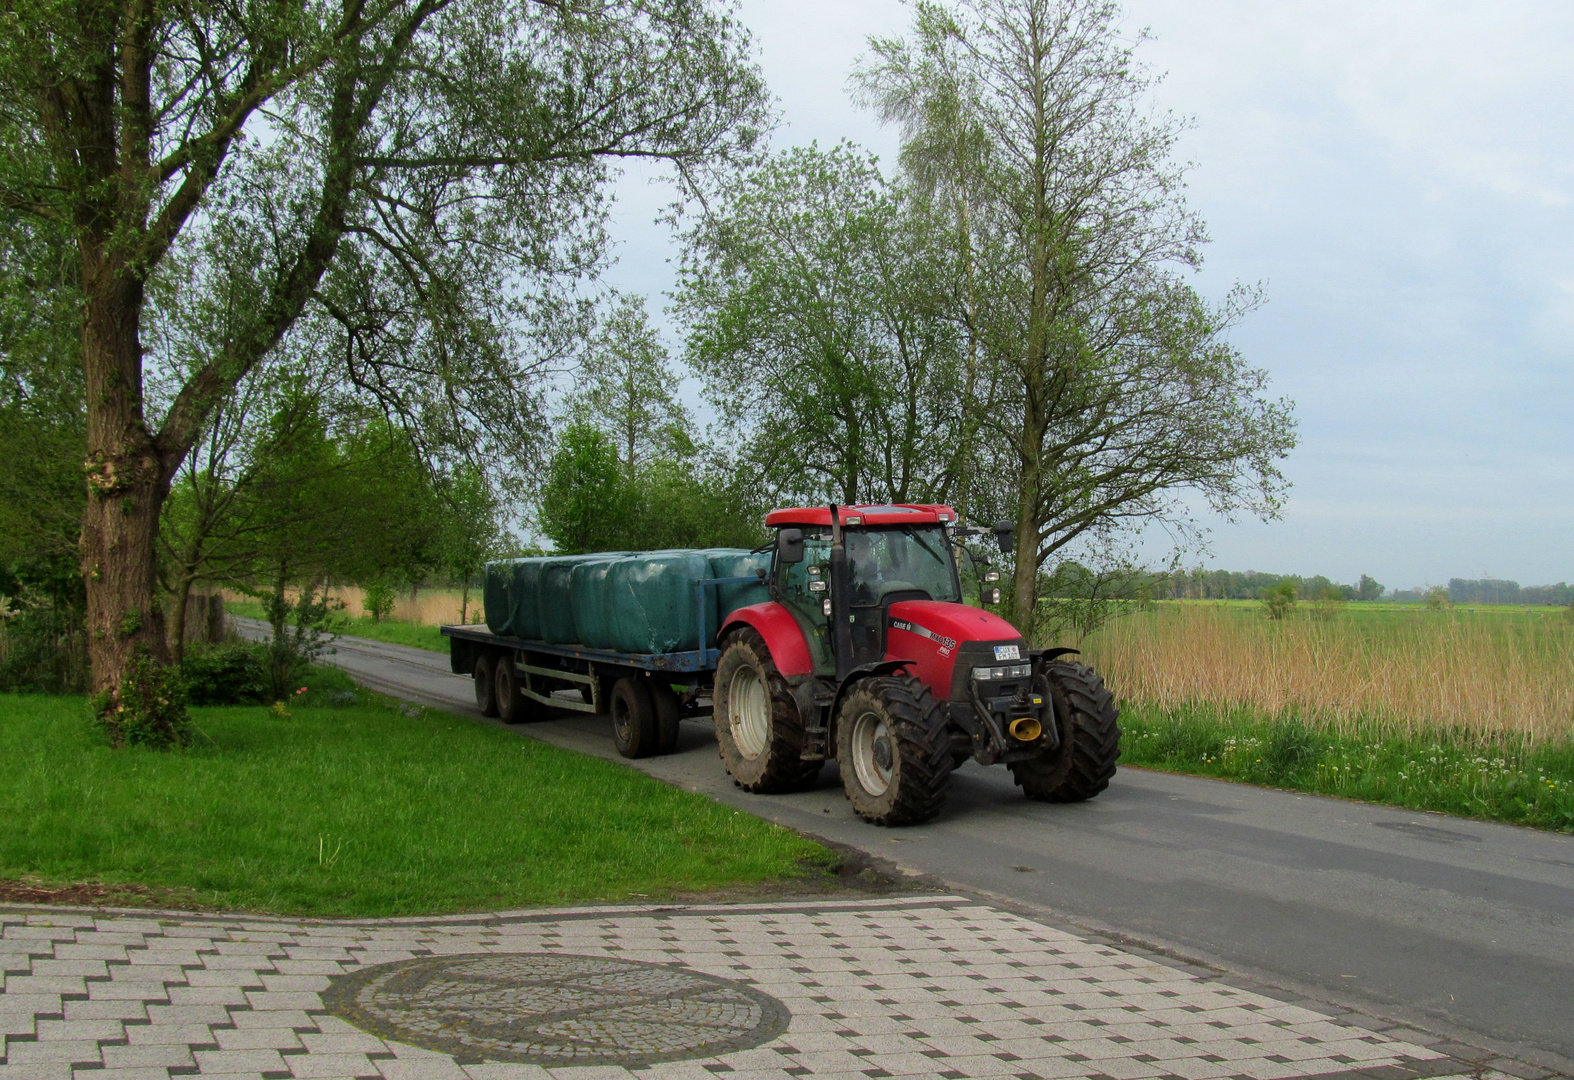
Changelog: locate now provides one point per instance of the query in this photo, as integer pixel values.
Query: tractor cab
(867, 653)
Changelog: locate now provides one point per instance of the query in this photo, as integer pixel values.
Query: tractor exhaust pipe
(841, 595)
(1026, 729)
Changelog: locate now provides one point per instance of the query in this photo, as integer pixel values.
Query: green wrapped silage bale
(497, 593)
(653, 601)
(728, 563)
(554, 601)
(589, 596)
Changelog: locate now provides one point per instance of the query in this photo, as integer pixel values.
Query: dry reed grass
(1485, 675)
(429, 607)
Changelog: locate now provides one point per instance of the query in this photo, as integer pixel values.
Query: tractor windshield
(901, 558)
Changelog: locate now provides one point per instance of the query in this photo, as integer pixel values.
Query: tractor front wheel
(1084, 762)
(894, 751)
(758, 729)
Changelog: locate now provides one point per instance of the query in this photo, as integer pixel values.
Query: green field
(359, 810)
(393, 631)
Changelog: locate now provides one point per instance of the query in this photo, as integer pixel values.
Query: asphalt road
(1452, 925)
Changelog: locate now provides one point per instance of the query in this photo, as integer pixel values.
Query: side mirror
(1006, 536)
(789, 545)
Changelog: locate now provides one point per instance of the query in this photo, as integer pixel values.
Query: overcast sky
(1400, 177)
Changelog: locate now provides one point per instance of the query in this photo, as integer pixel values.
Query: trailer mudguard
(780, 631)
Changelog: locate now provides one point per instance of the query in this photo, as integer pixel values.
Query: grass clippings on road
(360, 809)
(1506, 778)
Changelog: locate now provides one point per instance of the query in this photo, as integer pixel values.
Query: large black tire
(668, 712)
(513, 707)
(758, 729)
(484, 673)
(1084, 762)
(894, 751)
(633, 718)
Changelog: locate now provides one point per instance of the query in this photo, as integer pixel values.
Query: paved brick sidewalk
(928, 986)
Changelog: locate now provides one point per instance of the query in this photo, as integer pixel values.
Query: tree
(587, 501)
(472, 529)
(1369, 589)
(417, 142)
(624, 388)
(810, 298)
(1112, 392)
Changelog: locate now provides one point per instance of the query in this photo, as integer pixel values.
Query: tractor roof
(877, 514)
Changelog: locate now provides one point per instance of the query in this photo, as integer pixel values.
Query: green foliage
(428, 812)
(1077, 599)
(379, 599)
(229, 673)
(1279, 600)
(814, 297)
(1500, 778)
(1369, 589)
(148, 708)
(303, 629)
(1437, 599)
(589, 503)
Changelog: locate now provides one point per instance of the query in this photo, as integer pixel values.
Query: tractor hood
(932, 634)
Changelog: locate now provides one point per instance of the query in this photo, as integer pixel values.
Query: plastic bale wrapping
(725, 599)
(497, 595)
(588, 592)
(653, 601)
(554, 600)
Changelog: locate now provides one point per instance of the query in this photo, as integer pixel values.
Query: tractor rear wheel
(893, 750)
(1082, 765)
(633, 718)
(513, 707)
(485, 691)
(758, 729)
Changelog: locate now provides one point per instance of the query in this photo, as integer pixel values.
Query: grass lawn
(1505, 778)
(360, 809)
(393, 631)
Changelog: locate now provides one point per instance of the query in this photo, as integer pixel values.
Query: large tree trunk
(126, 480)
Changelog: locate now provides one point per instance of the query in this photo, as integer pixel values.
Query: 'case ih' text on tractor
(846, 638)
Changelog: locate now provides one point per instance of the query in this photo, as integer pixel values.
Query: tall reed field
(1466, 712)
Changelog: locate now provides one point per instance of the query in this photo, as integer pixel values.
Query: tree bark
(126, 479)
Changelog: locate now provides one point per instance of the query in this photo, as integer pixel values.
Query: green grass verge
(393, 631)
(360, 810)
(1504, 779)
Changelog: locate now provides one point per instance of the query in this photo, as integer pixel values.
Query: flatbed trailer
(646, 694)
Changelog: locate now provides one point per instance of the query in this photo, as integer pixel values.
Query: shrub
(234, 673)
(1279, 600)
(148, 708)
(1437, 599)
(379, 600)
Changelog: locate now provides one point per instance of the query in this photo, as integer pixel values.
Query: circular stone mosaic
(552, 1009)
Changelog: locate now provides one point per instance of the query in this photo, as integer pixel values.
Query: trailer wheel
(485, 691)
(633, 718)
(512, 705)
(894, 750)
(1084, 762)
(668, 711)
(758, 729)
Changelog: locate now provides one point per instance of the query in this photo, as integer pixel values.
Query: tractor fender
(857, 674)
(781, 633)
(1044, 656)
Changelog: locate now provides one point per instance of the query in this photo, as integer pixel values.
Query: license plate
(1008, 652)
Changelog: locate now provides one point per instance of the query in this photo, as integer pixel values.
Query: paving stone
(917, 986)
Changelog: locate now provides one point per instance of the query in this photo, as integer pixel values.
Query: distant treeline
(1492, 591)
(1200, 584)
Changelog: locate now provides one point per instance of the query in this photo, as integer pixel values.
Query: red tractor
(866, 653)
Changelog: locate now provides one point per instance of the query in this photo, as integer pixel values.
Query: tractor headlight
(1000, 674)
